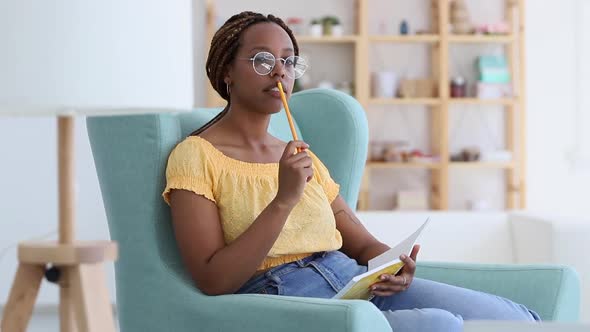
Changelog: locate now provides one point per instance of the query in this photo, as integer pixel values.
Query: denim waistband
(281, 270)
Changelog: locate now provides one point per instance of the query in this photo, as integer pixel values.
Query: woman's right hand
(295, 170)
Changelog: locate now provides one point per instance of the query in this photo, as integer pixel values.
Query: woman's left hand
(392, 284)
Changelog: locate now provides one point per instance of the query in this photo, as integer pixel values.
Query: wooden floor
(44, 322)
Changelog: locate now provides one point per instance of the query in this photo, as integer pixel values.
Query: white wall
(128, 70)
(553, 184)
(199, 56)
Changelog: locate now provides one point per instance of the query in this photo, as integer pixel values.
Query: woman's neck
(250, 127)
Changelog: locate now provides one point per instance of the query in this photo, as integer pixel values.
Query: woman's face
(251, 90)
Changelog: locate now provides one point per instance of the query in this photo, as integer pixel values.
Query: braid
(224, 48)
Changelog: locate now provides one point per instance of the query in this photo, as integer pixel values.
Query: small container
(384, 84)
(404, 28)
(376, 151)
(316, 29)
(345, 87)
(337, 30)
(458, 87)
(296, 25)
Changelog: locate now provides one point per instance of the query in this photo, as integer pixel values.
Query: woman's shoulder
(194, 142)
(191, 148)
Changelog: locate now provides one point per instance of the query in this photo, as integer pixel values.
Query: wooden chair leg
(19, 308)
(92, 304)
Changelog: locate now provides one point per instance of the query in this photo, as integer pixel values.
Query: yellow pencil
(284, 99)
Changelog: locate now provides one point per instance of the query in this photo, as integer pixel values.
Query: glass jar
(458, 87)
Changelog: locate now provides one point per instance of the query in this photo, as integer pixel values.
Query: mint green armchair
(154, 292)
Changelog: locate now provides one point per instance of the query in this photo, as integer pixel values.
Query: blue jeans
(425, 306)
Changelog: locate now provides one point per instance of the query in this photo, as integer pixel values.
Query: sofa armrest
(552, 291)
(549, 239)
(554, 239)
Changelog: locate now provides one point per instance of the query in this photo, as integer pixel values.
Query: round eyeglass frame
(292, 74)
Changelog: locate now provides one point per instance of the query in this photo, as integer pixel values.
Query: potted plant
(337, 29)
(316, 29)
(329, 22)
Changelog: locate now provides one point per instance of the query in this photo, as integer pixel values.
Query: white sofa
(492, 237)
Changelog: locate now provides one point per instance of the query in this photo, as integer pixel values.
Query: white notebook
(388, 262)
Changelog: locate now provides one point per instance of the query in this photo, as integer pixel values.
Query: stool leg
(92, 304)
(67, 315)
(21, 300)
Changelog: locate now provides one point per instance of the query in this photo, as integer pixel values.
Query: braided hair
(224, 48)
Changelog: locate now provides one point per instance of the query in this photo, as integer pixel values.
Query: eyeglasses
(264, 62)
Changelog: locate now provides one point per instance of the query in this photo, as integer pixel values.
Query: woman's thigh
(467, 303)
(321, 276)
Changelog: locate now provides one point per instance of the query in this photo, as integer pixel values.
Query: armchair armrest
(552, 291)
(275, 313)
(188, 310)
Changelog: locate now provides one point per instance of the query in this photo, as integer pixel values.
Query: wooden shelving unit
(439, 44)
(476, 101)
(481, 39)
(481, 165)
(439, 125)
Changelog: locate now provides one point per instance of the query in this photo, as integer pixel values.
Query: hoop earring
(227, 89)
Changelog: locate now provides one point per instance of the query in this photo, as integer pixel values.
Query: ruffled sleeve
(189, 169)
(331, 188)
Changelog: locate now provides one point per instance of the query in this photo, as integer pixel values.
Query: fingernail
(404, 256)
(383, 277)
(373, 288)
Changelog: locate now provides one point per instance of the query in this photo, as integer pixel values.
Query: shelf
(481, 165)
(404, 101)
(436, 101)
(424, 165)
(327, 39)
(393, 165)
(478, 101)
(481, 39)
(404, 38)
(461, 39)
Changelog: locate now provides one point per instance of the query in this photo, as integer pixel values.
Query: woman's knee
(440, 320)
(428, 319)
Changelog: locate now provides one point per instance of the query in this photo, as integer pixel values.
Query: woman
(247, 207)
